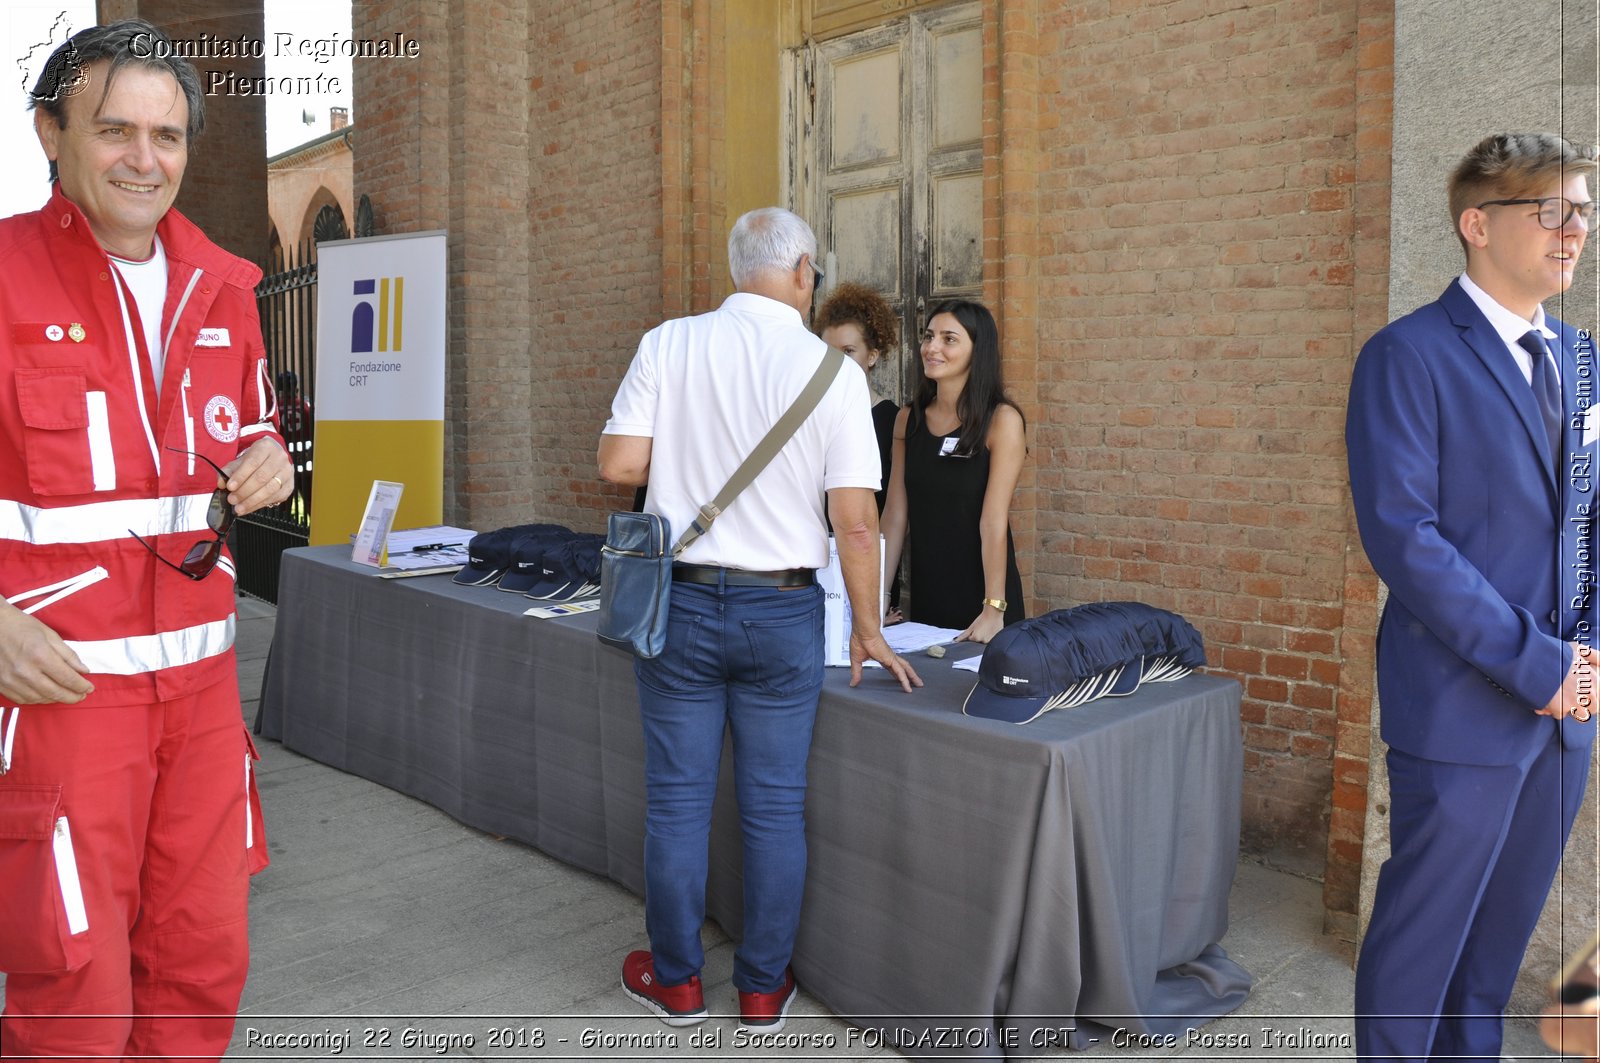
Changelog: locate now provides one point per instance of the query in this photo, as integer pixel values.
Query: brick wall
(596, 167)
(1194, 348)
(1016, 108)
(401, 160)
(535, 142)
(444, 145)
(493, 321)
(1357, 641)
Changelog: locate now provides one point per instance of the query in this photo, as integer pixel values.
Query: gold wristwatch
(998, 603)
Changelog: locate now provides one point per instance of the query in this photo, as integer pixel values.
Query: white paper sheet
(912, 637)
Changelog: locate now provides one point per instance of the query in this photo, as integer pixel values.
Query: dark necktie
(1547, 391)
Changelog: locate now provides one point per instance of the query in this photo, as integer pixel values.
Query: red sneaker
(767, 1012)
(676, 1005)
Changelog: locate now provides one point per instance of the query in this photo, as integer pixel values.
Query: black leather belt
(743, 577)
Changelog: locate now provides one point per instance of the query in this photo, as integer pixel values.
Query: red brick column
(1357, 637)
(444, 143)
(1011, 231)
(598, 256)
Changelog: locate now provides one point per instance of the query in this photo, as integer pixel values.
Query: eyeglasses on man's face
(1554, 211)
(204, 555)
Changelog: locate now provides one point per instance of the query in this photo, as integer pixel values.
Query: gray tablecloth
(970, 881)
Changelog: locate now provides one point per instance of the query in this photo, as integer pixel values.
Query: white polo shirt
(705, 390)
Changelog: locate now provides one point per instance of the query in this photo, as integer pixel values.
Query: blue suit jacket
(1489, 556)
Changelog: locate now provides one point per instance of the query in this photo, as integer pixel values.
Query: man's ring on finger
(278, 482)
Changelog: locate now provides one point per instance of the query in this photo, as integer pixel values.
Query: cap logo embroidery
(1011, 680)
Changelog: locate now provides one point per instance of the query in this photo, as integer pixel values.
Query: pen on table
(426, 549)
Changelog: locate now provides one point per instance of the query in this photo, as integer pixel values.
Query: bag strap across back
(775, 439)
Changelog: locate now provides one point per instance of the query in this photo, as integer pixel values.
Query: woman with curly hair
(859, 322)
(958, 451)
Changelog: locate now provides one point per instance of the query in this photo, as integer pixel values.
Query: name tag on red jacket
(212, 337)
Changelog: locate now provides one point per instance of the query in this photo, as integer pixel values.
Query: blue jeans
(749, 659)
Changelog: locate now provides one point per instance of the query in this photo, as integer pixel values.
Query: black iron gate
(286, 300)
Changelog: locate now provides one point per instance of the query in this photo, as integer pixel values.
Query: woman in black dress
(958, 451)
(860, 322)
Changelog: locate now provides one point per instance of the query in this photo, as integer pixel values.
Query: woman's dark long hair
(984, 390)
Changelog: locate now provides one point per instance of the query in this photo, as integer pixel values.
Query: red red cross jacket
(83, 447)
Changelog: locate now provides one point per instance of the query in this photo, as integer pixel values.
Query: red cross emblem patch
(222, 419)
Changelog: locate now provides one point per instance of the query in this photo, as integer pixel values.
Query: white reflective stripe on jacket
(97, 522)
(150, 653)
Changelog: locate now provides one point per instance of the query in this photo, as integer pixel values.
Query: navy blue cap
(490, 553)
(528, 553)
(569, 570)
(1070, 656)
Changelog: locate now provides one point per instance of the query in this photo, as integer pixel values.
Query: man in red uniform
(131, 364)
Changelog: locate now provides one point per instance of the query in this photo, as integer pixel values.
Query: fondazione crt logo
(377, 326)
(376, 320)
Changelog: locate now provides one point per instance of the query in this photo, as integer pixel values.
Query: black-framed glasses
(204, 555)
(1554, 211)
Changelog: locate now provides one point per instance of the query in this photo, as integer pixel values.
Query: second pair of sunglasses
(204, 555)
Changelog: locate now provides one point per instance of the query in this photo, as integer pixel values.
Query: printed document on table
(572, 608)
(425, 551)
(912, 637)
(433, 537)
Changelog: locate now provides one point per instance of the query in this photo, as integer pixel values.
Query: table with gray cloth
(970, 881)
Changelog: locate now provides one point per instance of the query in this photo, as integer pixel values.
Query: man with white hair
(744, 637)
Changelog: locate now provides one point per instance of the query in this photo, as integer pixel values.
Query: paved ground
(386, 929)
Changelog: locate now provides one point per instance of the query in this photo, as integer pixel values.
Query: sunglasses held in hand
(204, 555)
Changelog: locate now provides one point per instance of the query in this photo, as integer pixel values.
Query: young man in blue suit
(1471, 436)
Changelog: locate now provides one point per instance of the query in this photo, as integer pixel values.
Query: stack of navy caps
(569, 570)
(490, 554)
(528, 553)
(1071, 656)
